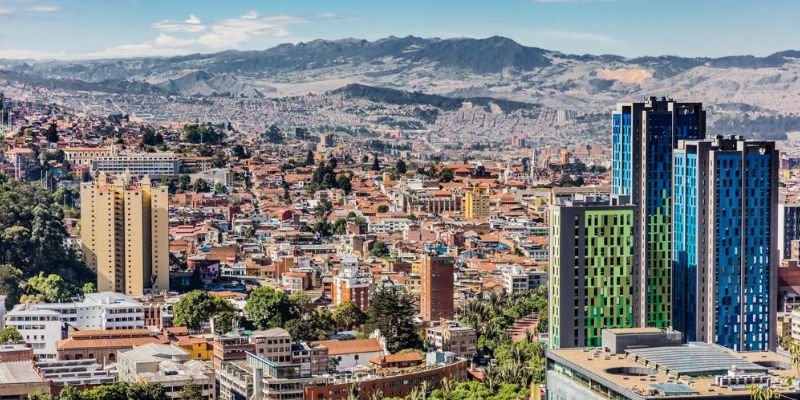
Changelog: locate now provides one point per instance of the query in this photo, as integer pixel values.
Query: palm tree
(415, 394)
(376, 395)
(762, 393)
(491, 377)
(352, 392)
(447, 389)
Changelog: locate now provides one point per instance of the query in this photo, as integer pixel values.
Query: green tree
(89, 287)
(347, 316)
(376, 164)
(219, 188)
(10, 335)
(192, 391)
(400, 166)
(224, 321)
(267, 308)
(446, 175)
(185, 182)
(383, 208)
(273, 134)
(379, 249)
(239, 151)
(52, 133)
(310, 158)
(343, 182)
(201, 186)
(52, 288)
(196, 308)
(392, 311)
(10, 278)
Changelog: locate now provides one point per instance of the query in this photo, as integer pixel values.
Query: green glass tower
(591, 270)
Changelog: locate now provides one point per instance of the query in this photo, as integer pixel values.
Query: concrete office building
(436, 288)
(100, 311)
(154, 165)
(167, 365)
(476, 204)
(725, 258)
(125, 235)
(591, 270)
(40, 328)
(643, 136)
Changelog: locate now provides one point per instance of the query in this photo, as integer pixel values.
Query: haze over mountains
(494, 67)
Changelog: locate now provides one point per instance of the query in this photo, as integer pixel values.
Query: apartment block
(725, 256)
(592, 259)
(124, 234)
(643, 136)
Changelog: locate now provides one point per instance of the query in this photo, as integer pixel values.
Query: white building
(104, 310)
(387, 225)
(170, 366)
(154, 165)
(352, 355)
(516, 278)
(39, 327)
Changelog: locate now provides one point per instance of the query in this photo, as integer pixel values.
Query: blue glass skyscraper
(725, 242)
(643, 136)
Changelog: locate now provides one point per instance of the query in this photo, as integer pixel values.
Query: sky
(81, 29)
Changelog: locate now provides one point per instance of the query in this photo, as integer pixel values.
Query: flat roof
(604, 367)
(694, 359)
(17, 372)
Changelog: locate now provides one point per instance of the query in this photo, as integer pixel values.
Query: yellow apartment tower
(476, 204)
(125, 235)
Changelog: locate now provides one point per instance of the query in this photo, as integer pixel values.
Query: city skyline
(571, 26)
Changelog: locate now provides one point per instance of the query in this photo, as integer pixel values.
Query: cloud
(236, 31)
(24, 54)
(163, 45)
(190, 25)
(43, 8)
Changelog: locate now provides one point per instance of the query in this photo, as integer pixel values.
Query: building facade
(125, 235)
(725, 258)
(788, 228)
(352, 284)
(476, 204)
(591, 271)
(100, 311)
(436, 288)
(154, 165)
(643, 136)
(40, 328)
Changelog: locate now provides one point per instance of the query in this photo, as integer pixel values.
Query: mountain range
(494, 67)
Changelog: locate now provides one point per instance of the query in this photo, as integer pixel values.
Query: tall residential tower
(591, 270)
(643, 137)
(124, 234)
(725, 254)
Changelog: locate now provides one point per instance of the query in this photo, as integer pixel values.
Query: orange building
(352, 284)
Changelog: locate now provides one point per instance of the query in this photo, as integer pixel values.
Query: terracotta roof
(124, 342)
(338, 347)
(398, 357)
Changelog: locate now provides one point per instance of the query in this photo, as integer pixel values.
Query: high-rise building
(476, 204)
(643, 136)
(725, 256)
(352, 284)
(788, 228)
(124, 234)
(436, 288)
(591, 270)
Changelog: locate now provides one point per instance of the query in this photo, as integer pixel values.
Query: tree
(52, 133)
(267, 308)
(310, 158)
(224, 321)
(379, 249)
(400, 166)
(89, 287)
(192, 391)
(150, 138)
(52, 288)
(446, 175)
(196, 308)
(10, 278)
(343, 182)
(185, 182)
(219, 188)
(376, 164)
(347, 316)
(383, 208)
(274, 134)
(201, 186)
(392, 312)
(239, 151)
(10, 335)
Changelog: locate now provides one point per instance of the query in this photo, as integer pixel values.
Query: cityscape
(251, 202)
